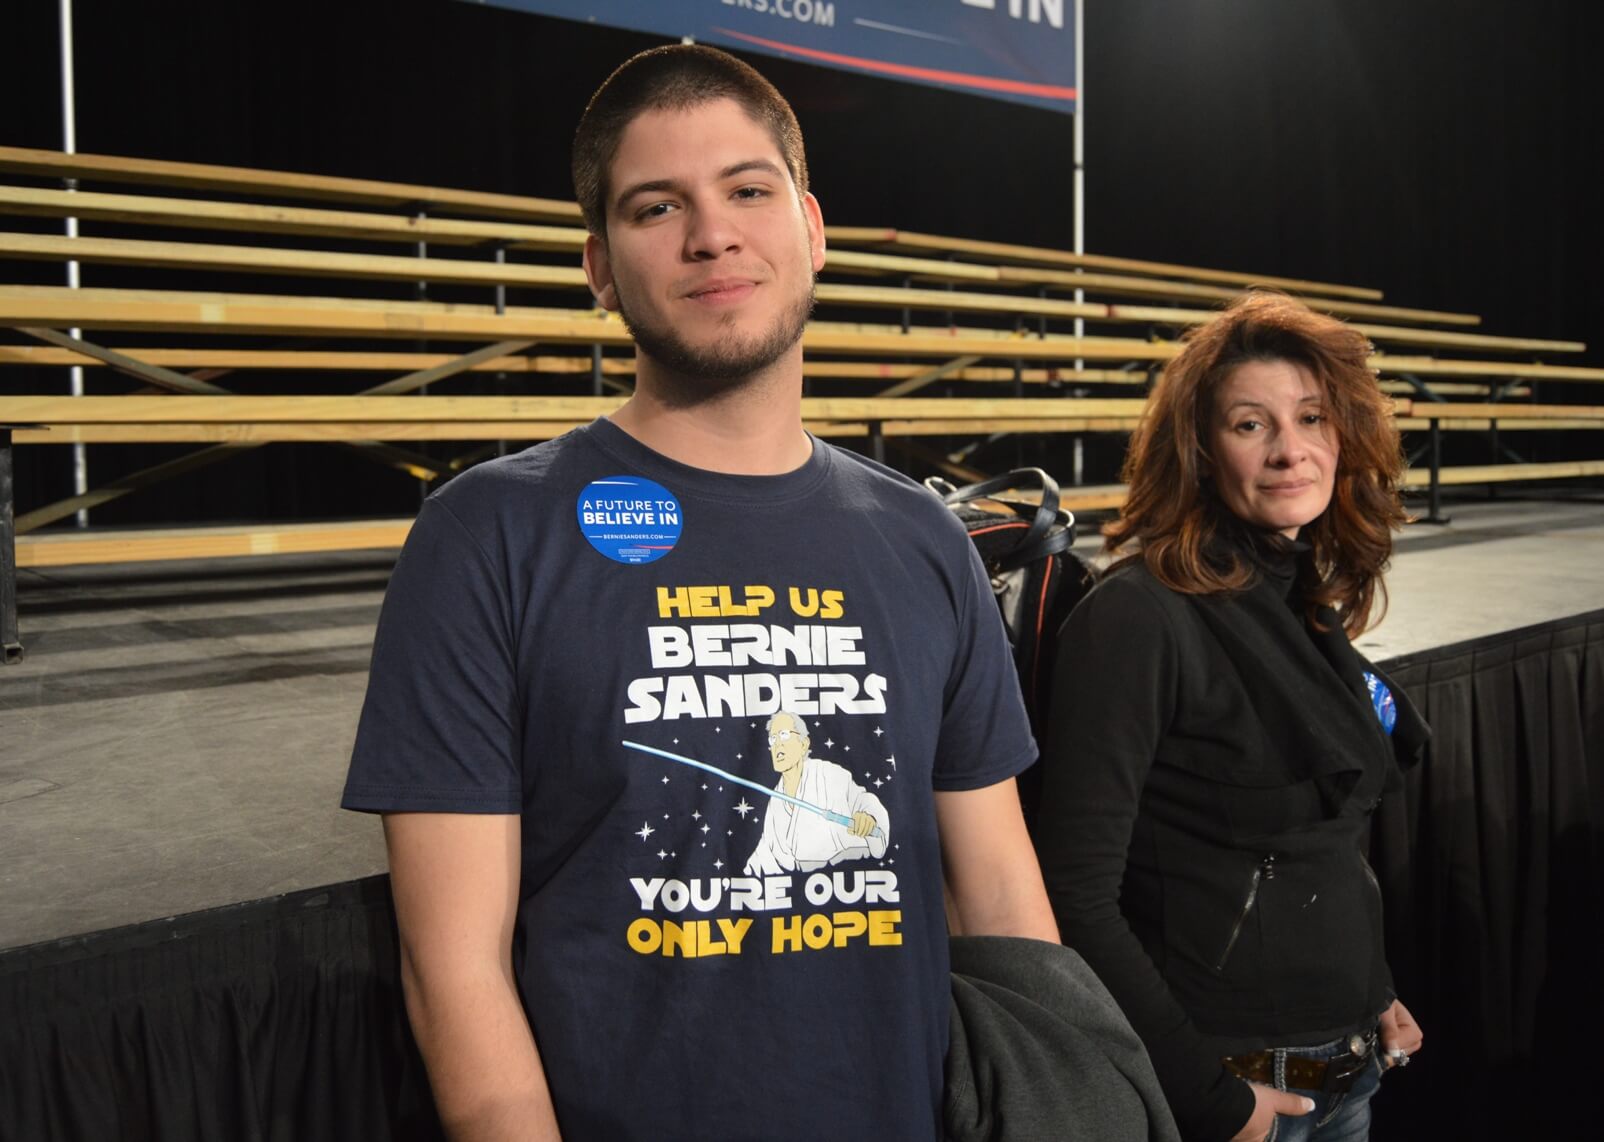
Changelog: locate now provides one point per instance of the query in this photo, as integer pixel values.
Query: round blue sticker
(1381, 698)
(630, 520)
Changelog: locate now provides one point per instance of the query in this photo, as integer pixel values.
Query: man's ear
(815, 221)
(599, 272)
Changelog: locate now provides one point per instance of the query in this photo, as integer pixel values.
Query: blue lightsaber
(827, 814)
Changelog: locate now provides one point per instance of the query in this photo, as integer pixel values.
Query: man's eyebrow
(653, 186)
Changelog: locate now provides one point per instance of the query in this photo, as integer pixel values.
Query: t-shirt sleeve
(985, 733)
(439, 730)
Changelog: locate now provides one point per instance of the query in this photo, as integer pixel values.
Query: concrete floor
(177, 736)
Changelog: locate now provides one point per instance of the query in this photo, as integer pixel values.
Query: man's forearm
(1014, 905)
(992, 875)
(484, 1067)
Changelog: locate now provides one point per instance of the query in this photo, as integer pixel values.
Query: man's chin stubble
(693, 375)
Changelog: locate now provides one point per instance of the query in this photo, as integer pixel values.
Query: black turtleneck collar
(1272, 555)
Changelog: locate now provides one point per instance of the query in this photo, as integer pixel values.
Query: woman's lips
(1290, 488)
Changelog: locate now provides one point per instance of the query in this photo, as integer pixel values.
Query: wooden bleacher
(973, 315)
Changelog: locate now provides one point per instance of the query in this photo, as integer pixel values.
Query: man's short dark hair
(673, 78)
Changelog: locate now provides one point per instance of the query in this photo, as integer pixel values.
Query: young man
(583, 651)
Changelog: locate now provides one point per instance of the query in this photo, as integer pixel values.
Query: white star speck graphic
(645, 830)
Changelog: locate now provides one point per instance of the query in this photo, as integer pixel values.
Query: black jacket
(1209, 775)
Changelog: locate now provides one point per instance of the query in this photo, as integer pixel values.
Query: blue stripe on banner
(1022, 51)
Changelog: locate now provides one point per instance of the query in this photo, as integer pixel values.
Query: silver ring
(1399, 1057)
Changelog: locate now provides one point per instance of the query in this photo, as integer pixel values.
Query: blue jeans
(1336, 1117)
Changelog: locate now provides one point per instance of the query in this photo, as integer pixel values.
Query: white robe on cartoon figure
(799, 840)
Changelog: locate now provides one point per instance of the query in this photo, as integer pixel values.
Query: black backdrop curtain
(282, 1019)
(1491, 866)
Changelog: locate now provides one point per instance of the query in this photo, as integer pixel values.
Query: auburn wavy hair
(1173, 516)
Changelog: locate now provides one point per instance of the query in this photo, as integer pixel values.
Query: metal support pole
(10, 640)
(877, 442)
(1492, 431)
(421, 214)
(596, 371)
(69, 145)
(1078, 128)
(907, 311)
(1434, 509)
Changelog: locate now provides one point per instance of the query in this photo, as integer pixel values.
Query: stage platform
(176, 738)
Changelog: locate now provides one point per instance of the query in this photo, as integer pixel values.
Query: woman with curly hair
(1216, 746)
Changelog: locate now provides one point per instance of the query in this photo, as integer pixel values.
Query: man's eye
(655, 210)
(751, 192)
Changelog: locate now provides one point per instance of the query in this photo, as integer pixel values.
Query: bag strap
(1040, 538)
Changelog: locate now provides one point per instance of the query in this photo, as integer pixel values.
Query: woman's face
(1275, 455)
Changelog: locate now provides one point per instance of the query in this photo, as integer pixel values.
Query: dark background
(1445, 151)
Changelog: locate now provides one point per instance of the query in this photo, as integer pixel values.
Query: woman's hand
(1399, 1032)
(1267, 1103)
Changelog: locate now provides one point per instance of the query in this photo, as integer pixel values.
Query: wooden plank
(1437, 367)
(1511, 424)
(1429, 410)
(298, 263)
(304, 360)
(1183, 291)
(75, 548)
(214, 298)
(300, 221)
(322, 432)
(892, 297)
(284, 184)
(189, 312)
(54, 410)
(927, 268)
(313, 222)
(339, 431)
(243, 314)
(1505, 473)
(960, 427)
(1007, 252)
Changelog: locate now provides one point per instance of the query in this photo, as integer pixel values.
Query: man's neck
(753, 428)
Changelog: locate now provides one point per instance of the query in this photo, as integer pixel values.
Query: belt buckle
(1344, 1069)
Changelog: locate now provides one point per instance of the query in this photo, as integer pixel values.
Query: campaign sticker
(630, 520)
(1381, 698)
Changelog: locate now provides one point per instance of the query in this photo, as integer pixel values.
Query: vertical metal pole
(10, 641)
(422, 346)
(877, 442)
(69, 145)
(1435, 502)
(1492, 488)
(501, 311)
(1079, 180)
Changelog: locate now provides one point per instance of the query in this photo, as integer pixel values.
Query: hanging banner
(1019, 50)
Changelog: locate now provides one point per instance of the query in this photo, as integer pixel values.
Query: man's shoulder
(891, 499)
(529, 482)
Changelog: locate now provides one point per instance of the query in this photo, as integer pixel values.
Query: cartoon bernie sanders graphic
(803, 837)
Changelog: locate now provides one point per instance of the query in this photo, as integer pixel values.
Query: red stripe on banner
(955, 78)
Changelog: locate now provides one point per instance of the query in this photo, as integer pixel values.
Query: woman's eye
(1247, 425)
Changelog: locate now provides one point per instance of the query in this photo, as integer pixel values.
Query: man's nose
(712, 232)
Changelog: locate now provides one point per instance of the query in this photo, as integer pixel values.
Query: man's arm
(455, 881)
(994, 884)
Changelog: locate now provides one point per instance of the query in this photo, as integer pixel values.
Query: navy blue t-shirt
(721, 705)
